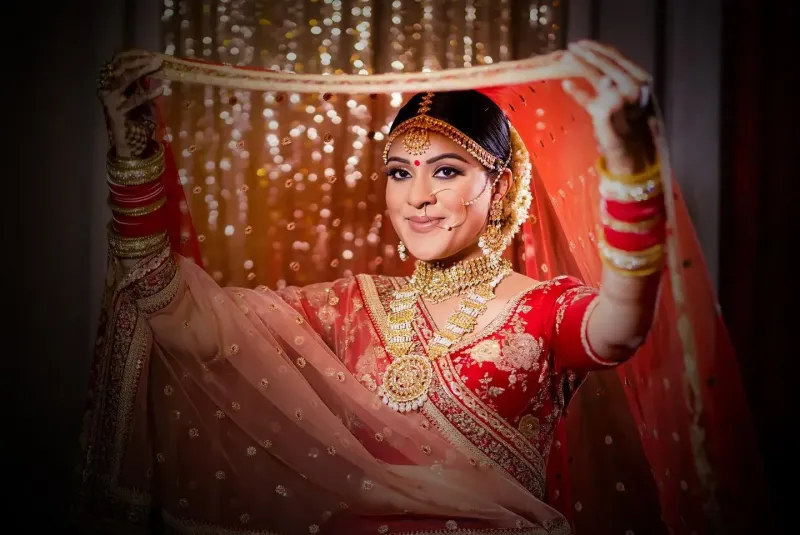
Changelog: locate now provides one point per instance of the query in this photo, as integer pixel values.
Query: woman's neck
(440, 280)
(465, 255)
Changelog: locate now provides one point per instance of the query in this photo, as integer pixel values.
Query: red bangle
(631, 212)
(631, 242)
(125, 204)
(123, 194)
(138, 226)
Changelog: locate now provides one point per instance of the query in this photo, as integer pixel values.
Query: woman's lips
(421, 224)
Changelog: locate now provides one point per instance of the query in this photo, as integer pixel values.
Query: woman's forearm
(631, 246)
(620, 321)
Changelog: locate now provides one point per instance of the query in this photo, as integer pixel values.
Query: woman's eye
(398, 174)
(447, 172)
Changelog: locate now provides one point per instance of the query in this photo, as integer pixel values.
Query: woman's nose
(420, 193)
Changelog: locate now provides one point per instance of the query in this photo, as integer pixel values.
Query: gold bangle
(641, 272)
(136, 250)
(617, 191)
(638, 227)
(650, 173)
(139, 210)
(134, 171)
(629, 261)
(141, 247)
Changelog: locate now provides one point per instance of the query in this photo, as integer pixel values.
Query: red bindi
(416, 162)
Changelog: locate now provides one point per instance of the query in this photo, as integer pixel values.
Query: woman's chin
(428, 252)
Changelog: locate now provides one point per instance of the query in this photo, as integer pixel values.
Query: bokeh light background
(288, 188)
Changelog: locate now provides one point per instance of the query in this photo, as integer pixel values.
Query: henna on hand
(619, 101)
(127, 101)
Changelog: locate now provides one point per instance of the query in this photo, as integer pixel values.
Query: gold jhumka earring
(496, 237)
(493, 240)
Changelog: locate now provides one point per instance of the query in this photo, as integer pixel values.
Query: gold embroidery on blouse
(568, 298)
(529, 426)
(494, 326)
(523, 351)
(486, 351)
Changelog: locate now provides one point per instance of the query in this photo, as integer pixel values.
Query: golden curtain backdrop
(287, 189)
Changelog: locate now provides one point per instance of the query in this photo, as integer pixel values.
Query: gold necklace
(437, 283)
(407, 379)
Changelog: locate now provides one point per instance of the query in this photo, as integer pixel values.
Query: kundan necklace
(407, 379)
(437, 283)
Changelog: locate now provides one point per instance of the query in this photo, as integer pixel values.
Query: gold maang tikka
(417, 141)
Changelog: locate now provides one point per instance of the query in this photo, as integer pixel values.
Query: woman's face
(426, 194)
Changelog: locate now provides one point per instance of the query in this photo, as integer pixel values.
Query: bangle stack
(632, 221)
(136, 196)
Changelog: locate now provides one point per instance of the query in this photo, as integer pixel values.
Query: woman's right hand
(127, 97)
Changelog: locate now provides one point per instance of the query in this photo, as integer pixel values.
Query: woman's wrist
(137, 199)
(632, 227)
(124, 172)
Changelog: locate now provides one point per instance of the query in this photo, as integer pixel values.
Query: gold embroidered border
(528, 464)
(453, 435)
(164, 296)
(544, 67)
(138, 345)
(374, 305)
(116, 371)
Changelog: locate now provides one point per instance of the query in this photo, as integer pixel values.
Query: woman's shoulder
(541, 293)
(517, 283)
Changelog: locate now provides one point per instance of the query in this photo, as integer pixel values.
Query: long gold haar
(407, 379)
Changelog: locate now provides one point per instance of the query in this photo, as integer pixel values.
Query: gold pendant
(406, 382)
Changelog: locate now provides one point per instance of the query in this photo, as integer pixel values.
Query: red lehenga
(235, 410)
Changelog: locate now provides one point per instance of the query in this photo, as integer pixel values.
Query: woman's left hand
(619, 106)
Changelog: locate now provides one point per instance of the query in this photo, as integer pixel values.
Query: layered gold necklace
(407, 379)
(438, 283)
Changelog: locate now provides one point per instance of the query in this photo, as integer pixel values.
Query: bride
(433, 403)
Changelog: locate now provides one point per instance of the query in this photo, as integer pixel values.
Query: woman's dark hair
(471, 112)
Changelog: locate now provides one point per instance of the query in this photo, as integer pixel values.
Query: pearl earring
(401, 251)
